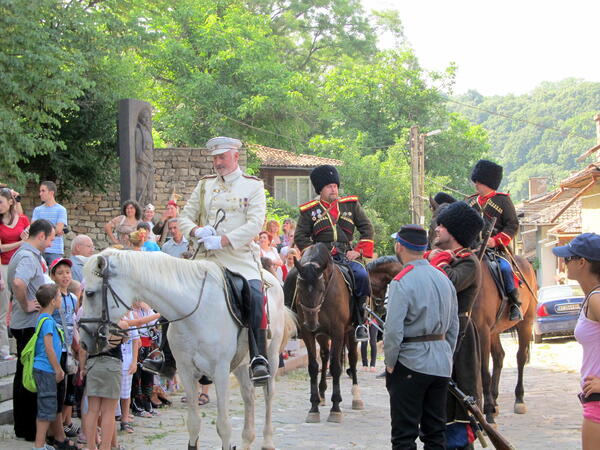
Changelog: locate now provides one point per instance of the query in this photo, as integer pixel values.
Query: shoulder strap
(201, 218)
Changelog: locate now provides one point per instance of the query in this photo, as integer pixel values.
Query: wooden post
(421, 189)
(414, 171)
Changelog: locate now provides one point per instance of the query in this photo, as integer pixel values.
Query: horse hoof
(335, 417)
(520, 408)
(313, 417)
(193, 447)
(358, 404)
(267, 448)
(489, 418)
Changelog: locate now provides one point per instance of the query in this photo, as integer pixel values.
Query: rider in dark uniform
(487, 177)
(458, 229)
(332, 220)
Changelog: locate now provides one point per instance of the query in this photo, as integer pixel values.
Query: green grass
(156, 436)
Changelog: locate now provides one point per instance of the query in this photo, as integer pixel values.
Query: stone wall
(176, 169)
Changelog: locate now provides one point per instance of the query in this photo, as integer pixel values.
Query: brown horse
(318, 292)
(489, 325)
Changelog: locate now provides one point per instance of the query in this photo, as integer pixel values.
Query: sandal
(126, 426)
(67, 444)
(203, 399)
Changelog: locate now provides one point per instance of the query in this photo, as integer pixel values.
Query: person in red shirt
(13, 231)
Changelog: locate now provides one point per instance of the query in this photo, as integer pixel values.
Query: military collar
(487, 196)
(231, 177)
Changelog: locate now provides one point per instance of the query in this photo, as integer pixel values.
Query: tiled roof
(583, 177)
(273, 157)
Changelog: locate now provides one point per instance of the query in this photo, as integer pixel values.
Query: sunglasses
(571, 258)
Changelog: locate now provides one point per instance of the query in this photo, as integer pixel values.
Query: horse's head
(381, 272)
(311, 288)
(102, 306)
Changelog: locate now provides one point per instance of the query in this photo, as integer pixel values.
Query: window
(294, 190)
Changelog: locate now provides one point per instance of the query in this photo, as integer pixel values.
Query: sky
(501, 48)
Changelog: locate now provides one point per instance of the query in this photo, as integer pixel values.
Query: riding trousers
(257, 318)
(361, 279)
(507, 274)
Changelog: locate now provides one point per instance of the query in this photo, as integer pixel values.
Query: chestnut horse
(489, 324)
(316, 289)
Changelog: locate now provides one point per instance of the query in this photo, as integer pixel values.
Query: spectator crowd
(41, 291)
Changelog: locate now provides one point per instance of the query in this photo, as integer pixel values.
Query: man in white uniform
(224, 214)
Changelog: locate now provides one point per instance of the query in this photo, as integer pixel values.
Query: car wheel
(537, 338)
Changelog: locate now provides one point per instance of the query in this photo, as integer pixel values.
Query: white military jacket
(242, 197)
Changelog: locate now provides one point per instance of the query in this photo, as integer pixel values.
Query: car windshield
(560, 291)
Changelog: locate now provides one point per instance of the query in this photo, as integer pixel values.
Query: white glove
(204, 232)
(212, 243)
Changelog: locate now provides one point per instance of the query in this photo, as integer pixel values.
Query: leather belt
(425, 338)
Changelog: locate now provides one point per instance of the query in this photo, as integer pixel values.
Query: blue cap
(586, 245)
(413, 237)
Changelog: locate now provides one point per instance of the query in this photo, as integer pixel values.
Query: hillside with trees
(538, 134)
(300, 75)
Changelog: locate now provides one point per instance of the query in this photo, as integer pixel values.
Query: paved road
(552, 421)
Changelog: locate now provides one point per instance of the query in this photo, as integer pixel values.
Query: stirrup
(148, 362)
(364, 339)
(260, 379)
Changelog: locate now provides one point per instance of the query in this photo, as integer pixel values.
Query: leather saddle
(492, 259)
(238, 297)
(343, 264)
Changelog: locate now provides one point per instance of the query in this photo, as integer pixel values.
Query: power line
(506, 116)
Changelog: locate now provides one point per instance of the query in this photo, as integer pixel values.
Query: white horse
(206, 341)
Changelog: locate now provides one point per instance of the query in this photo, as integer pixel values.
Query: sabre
(379, 319)
(219, 217)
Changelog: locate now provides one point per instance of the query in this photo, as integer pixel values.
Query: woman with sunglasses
(582, 259)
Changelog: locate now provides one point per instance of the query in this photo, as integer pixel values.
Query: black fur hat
(321, 176)
(488, 173)
(442, 197)
(462, 222)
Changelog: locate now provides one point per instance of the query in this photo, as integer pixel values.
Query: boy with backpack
(46, 367)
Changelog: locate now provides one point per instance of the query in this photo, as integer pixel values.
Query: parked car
(557, 311)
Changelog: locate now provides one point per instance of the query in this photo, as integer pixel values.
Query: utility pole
(417, 169)
(415, 174)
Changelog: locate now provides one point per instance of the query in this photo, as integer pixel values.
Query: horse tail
(290, 328)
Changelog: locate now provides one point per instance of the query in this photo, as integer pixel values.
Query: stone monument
(136, 151)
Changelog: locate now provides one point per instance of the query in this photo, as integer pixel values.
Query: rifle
(498, 441)
(486, 237)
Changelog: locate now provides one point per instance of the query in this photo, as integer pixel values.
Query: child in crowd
(60, 272)
(148, 245)
(46, 367)
(130, 357)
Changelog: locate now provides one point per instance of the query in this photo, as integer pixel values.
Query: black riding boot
(361, 333)
(164, 366)
(259, 364)
(514, 305)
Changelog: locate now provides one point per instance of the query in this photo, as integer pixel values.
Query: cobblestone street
(553, 418)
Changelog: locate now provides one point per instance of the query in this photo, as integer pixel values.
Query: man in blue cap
(420, 336)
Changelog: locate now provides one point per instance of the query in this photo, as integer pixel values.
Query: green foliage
(40, 79)
(564, 111)
(279, 210)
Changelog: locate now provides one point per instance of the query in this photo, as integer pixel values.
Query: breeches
(258, 319)
(507, 274)
(417, 399)
(361, 279)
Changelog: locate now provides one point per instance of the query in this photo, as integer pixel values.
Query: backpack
(28, 355)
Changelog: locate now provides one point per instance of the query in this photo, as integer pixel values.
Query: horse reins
(107, 326)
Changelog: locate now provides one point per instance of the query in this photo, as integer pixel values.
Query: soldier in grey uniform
(241, 198)
(419, 340)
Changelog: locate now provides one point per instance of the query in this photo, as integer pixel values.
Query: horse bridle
(106, 326)
(316, 309)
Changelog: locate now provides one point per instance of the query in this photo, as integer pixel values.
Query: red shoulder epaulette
(348, 198)
(245, 175)
(404, 272)
(308, 205)
(502, 193)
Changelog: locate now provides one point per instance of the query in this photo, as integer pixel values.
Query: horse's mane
(373, 265)
(314, 260)
(146, 265)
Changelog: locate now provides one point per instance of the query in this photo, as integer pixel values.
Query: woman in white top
(266, 251)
